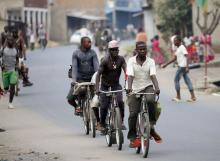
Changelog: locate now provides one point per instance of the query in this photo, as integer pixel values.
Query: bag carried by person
(70, 72)
(158, 110)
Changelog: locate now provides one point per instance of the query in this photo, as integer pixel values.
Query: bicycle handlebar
(85, 84)
(149, 93)
(111, 92)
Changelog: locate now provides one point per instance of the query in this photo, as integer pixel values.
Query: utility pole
(114, 19)
(50, 4)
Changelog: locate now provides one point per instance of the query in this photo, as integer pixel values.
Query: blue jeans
(181, 71)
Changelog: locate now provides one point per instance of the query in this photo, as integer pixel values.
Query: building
(121, 13)
(35, 13)
(69, 15)
(20, 13)
(10, 12)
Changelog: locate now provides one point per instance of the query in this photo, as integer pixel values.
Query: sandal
(191, 100)
(176, 99)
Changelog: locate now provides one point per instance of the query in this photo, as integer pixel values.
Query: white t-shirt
(93, 80)
(140, 73)
(181, 53)
(187, 41)
(173, 47)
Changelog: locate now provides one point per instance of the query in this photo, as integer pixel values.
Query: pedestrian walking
(32, 40)
(183, 69)
(9, 63)
(157, 54)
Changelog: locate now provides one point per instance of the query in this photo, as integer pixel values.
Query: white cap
(113, 44)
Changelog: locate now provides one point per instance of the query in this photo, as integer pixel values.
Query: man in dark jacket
(84, 65)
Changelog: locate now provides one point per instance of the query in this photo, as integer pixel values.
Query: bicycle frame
(113, 104)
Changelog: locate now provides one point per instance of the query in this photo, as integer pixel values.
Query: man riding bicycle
(141, 78)
(84, 64)
(109, 72)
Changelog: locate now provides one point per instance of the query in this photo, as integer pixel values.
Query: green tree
(174, 15)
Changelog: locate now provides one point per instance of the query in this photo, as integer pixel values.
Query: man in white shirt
(183, 69)
(141, 73)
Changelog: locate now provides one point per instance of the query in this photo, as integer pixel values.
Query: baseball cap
(113, 44)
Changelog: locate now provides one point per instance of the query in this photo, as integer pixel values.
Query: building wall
(59, 12)
(35, 3)
(215, 34)
(8, 5)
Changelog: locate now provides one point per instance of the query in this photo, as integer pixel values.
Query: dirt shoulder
(25, 135)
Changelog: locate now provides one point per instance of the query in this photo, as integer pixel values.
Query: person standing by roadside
(32, 41)
(183, 69)
(9, 64)
(42, 37)
(157, 54)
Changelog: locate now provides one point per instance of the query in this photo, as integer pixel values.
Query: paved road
(190, 131)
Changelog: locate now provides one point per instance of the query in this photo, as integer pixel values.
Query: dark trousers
(134, 104)
(105, 102)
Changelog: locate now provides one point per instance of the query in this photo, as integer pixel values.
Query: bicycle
(143, 125)
(114, 134)
(88, 115)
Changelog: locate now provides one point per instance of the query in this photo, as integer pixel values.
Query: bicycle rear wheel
(145, 134)
(118, 128)
(108, 136)
(17, 88)
(138, 149)
(92, 123)
(85, 117)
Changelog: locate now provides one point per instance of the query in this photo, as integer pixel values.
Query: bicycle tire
(85, 117)
(92, 123)
(108, 136)
(16, 88)
(145, 134)
(138, 149)
(118, 128)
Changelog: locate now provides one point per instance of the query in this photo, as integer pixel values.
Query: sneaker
(123, 127)
(176, 99)
(135, 143)
(2, 130)
(103, 129)
(27, 84)
(156, 136)
(191, 100)
(10, 106)
(98, 126)
(78, 111)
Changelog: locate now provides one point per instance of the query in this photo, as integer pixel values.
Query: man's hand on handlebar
(157, 91)
(97, 92)
(128, 91)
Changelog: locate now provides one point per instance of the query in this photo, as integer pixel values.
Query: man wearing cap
(109, 71)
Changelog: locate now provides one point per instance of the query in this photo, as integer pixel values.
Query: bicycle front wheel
(145, 134)
(118, 128)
